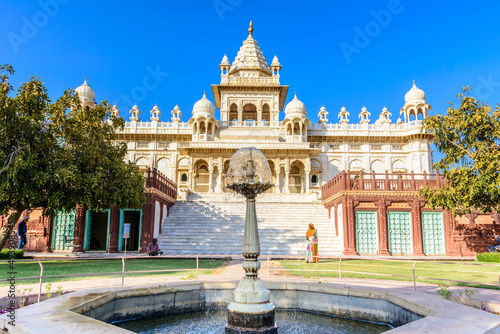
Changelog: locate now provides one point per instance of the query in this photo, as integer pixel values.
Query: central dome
(250, 57)
(295, 106)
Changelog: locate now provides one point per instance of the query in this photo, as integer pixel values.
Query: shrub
(5, 254)
(59, 290)
(488, 257)
(48, 286)
(191, 276)
(444, 291)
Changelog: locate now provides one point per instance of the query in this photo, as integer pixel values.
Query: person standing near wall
(21, 233)
(312, 247)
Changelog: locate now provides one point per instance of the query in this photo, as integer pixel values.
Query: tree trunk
(7, 228)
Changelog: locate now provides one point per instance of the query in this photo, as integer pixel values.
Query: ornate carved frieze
(366, 205)
(399, 205)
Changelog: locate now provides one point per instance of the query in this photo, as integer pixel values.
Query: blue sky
(333, 53)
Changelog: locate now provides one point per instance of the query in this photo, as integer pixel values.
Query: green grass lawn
(448, 270)
(91, 267)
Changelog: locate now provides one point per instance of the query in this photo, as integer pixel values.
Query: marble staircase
(212, 224)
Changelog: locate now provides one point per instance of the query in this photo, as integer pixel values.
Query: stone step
(235, 246)
(232, 211)
(275, 198)
(178, 241)
(297, 234)
(282, 239)
(213, 224)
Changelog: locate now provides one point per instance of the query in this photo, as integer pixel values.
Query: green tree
(59, 155)
(469, 138)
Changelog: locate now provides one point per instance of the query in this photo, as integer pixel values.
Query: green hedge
(4, 254)
(488, 257)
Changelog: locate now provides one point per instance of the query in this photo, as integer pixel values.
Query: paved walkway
(483, 299)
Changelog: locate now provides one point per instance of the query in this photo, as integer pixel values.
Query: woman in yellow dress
(312, 246)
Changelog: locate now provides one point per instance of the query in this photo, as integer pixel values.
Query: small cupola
(364, 115)
(155, 114)
(135, 113)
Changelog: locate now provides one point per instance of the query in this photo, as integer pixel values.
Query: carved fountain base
(251, 310)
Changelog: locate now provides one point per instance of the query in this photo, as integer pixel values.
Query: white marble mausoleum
(302, 155)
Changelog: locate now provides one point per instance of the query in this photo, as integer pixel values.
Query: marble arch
(163, 165)
(399, 165)
(142, 161)
(356, 165)
(249, 112)
(377, 166)
(295, 184)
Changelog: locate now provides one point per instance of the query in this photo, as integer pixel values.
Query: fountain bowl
(93, 310)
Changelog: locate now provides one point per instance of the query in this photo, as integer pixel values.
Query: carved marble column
(219, 179)
(173, 166)
(190, 178)
(210, 176)
(287, 182)
(287, 175)
(308, 180)
(383, 243)
(210, 181)
(278, 181)
(240, 112)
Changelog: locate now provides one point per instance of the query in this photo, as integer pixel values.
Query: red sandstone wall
(38, 234)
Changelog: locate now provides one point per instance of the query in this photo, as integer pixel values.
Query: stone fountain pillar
(251, 310)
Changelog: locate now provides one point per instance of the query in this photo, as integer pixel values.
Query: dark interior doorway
(134, 219)
(98, 231)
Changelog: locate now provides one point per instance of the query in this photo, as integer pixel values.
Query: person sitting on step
(154, 248)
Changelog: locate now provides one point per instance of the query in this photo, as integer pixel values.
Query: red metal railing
(156, 180)
(380, 181)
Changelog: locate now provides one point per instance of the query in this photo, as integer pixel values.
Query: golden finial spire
(250, 29)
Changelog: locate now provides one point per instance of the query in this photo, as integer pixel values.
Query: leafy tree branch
(60, 155)
(469, 138)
